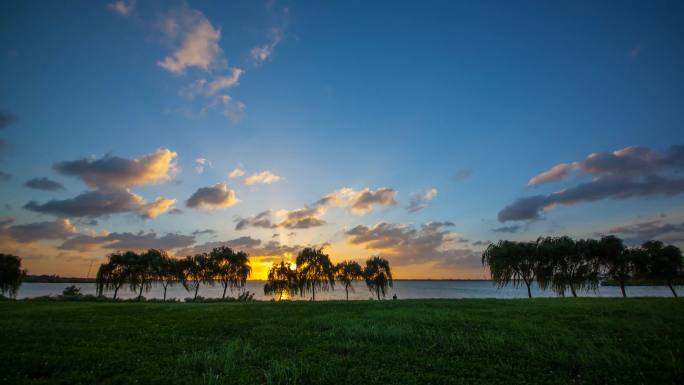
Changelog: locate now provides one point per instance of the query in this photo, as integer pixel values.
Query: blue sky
(471, 99)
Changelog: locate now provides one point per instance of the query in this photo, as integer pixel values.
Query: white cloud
(218, 196)
(262, 53)
(264, 177)
(199, 47)
(122, 7)
(421, 201)
(200, 164)
(236, 173)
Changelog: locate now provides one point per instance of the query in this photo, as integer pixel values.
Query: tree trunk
(572, 289)
(165, 286)
(196, 290)
(225, 286)
(346, 289)
(672, 288)
(313, 293)
(377, 290)
(115, 291)
(529, 292)
(622, 288)
(140, 293)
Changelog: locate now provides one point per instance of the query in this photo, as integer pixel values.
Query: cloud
(627, 173)
(122, 8)
(264, 177)
(90, 204)
(231, 108)
(6, 119)
(303, 218)
(4, 176)
(200, 164)
(462, 174)
(208, 88)
(6, 221)
(199, 39)
(422, 200)
(127, 241)
(31, 232)
(627, 162)
(405, 244)
(218, 196)
(253, 247)
(507, 229)
(482, 243)
(639, 232)
(360, 202)
(204, 232)
(156, 208)
(236, 173)
(112, 172)
(99, 203)
(530, 208)
(262, 220)
(262, 53)
(44, 184)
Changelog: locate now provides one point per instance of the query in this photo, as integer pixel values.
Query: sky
(417, 131)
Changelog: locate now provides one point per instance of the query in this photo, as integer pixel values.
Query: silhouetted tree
(378, 275)
(11, 274)
(616, 260)
(555, 270)
(282, 279)
(230, 268)
(168, 271)
(197, 269)
(314, 271)
(583, 266)
(347, 272)
(114, 273)
(141, 273)
(661, 263)
(512, 262)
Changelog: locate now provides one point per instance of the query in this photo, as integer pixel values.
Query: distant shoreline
(57, 279)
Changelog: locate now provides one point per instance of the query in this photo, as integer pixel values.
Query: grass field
(545, 341)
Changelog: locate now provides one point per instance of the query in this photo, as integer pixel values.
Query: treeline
(312, 272)
(562, 263)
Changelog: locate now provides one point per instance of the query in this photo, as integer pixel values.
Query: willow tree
(347, 272)
(314, 272)
(378, 275)
(114, 273)
(282, 280)
(616, 261)
(197, 269)
(661, 263)
(512, 262)
(11, 274)
(230, 268)
(166, 270)
(556, 269)
(141, 272)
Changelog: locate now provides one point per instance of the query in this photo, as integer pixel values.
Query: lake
(403, 290)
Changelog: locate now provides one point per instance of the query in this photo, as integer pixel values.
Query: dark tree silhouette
(282, 280)
(378, 275)
(661, 263)
(230, 268)
(141, 273)
(314, 272)
(114, 273)
(168, 271)
(512, 262)
(11, 274)
(347, 272)
(197, 269)
(616, 261)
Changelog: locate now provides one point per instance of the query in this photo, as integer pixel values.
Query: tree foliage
(378, 275)
(11, 274)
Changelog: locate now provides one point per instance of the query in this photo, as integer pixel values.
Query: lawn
(544, 341)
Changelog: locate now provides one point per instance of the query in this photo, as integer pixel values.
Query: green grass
(545, 341)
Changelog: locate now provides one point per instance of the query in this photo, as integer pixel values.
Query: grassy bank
(550, 341)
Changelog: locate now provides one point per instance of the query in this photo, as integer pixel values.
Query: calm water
(403, 290)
